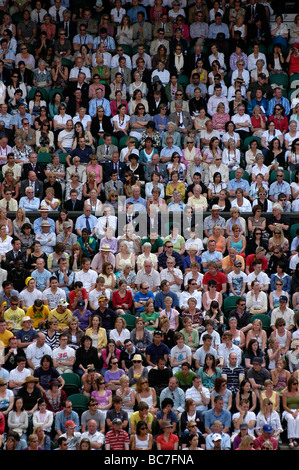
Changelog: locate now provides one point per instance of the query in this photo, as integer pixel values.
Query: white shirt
(34, 353)
(87, 278)
(30, 297)
(112, 222)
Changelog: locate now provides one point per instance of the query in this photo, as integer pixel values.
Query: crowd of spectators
(149, 275)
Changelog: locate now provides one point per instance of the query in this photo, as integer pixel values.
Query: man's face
(40, 263)
(233, 360)
(172, 384)
(157, 339)
(54, 283)
(18, 245)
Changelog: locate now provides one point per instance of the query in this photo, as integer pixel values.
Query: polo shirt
(117, 441)
(210, 416)
(159, 299)
(155, 352)
(251, 258)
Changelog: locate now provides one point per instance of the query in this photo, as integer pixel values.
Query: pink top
(97, 170)
(102, 400)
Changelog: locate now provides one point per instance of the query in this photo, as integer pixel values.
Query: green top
(153, 317)
(195, 338)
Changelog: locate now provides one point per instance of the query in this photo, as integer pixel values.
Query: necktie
(88, 224)
(66, 29)
(7, 206)
(57, 16)
(76, 169)
(107, 150)
(38, 18)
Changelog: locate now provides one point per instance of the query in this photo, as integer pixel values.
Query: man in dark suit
(33, 165)
(68, 25)
(156, 165)
(79, 84)
(115, 164)
(13, 255)
(33, 181)
(76, 101)
(73, 204)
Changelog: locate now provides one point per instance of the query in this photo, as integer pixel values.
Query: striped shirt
(117, 441)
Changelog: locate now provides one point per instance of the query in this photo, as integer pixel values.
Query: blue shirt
(235, 184)
(95, 102)
(139, 296)
(41, 279)
(167, 152)
(276, 189)
(27, 205)
(210, 416)
(283, 101)
(137, 203)
(83, 154)
(81, 222)
(207, 256)
(17, 120)
(155, 352)
(78, 39)
(37, 224)
(159, 299)
(132, 13)
(61, 419)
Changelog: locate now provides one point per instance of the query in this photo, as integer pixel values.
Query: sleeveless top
(149, 400)
(293, 403)
(237, 245)
(141, 444)
(209, 300)
(237, 340)
(282, 339)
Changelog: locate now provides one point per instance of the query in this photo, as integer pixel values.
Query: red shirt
(282, 125)
(167, 445)
(118, 300)
(220, 278)
(117, 441)
(72, 296)
(251, 258)
(259, 441)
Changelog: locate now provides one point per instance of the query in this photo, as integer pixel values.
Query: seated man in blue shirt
(141, 297)
(165, 292)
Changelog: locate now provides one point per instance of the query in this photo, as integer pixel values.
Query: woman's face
(95, 321)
